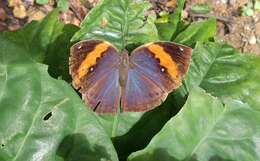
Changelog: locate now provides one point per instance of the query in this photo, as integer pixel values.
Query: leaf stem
(115, 122)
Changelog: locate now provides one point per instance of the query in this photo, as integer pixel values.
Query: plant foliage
(214, 115)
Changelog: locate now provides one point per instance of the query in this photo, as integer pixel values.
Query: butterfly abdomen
(123, 68)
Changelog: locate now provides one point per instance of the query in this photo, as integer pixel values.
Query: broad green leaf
(42, 118)
(121, 22)
(224, 72)
(197, 32)
(48, 42)
(124, 123)
(205, 130)
(166, 30)
(35, 36)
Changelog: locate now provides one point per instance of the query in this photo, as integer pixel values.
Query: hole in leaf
(2, 145)
(47, 116)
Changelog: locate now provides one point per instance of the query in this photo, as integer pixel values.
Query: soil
(242, 32)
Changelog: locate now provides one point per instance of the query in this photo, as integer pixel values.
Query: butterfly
(109, 79)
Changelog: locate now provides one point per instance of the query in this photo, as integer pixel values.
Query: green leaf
(206, 130)
(225, 73)
(48, 42)
(200, 8)
(247, 10)
(42, 1)
(164, 17)
(166, 30)
(121, 22)
(197, 32)
(43, 118)
(125, 123)
(63, 5)
(257, 5)
(57, 53)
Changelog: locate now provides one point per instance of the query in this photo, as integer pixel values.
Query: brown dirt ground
(243, 32)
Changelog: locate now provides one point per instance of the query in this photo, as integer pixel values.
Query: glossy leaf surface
(224, 72)
(120, 22)
(197, 32)
(167, 29)
(43, 118)
(205, 130)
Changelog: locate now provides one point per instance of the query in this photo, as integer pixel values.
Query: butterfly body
(123, 68)
(140, 81)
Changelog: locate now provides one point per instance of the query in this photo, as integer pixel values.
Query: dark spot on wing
(95, 108)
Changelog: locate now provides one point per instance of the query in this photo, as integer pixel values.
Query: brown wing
(155, 70)
(94, 69)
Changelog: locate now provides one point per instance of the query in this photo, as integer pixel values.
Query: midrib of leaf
(27, 134)
(209, 68)
(207, 134)
(4, 84)
(32, 124)
(124, 28)
(35, 115)
(115, 122)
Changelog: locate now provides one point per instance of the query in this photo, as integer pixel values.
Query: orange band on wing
(90, 59)
(165, 59)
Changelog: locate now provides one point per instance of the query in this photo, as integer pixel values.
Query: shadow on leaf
(149, 125)
(57, 54)
(75, 147)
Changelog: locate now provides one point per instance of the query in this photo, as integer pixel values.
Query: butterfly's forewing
(94, 67)
(155, 70)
